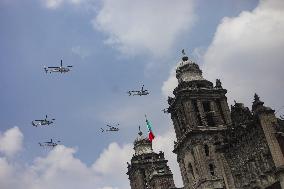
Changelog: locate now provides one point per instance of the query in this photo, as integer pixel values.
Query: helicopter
(140, 93)
(111, 128)
(60, 68)
(45, 121)
(49, 143)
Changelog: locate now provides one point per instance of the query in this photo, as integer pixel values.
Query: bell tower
(147, 168)
(200, 115)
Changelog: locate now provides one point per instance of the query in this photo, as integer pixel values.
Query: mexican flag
(151, 135)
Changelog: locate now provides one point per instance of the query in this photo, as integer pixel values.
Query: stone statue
(218, 83)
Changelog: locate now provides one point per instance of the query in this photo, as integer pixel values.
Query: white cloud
(138, 27)
(5, 173)
(54, 4)
(170, 84)
(61, 169)
(112, 161)
(11, 141)
(247, 54)
(80, 51)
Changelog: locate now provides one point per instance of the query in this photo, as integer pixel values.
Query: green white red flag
(151, 135)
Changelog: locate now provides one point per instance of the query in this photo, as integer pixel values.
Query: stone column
(217, 117)
(176, 125)
(201, 112)
(183, 173)
(190, 114)
(201, 163)
(226, 171)
(266, 121)
(226, 111)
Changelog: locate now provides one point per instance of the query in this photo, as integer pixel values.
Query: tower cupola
(147, 168)
(188, 70)
(142, 145)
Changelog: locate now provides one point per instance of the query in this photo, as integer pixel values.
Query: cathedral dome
(188, 70)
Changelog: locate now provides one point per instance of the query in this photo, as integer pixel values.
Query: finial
(184, 58)
(140, 132)
(256, 97)
(218, 84)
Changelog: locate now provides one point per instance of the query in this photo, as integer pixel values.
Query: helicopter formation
(109, 128)
(45, 122)
(48, 122)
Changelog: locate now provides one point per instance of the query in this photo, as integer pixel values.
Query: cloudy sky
(116, 46)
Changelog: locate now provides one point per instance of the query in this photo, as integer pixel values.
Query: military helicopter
(49, 143)
(111, 128)
(60, 69)
(140, 93)
(39, 122)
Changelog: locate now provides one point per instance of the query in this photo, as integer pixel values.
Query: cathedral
(217, 147)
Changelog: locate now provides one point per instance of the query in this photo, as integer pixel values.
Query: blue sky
(116, 46)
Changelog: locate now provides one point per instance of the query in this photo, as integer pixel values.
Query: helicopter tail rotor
(45, 69)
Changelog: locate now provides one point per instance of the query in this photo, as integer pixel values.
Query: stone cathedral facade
(217, 147)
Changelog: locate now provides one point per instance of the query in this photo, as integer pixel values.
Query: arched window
(206, 149)
(190, 170)
(206, 106)
(211, 169)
